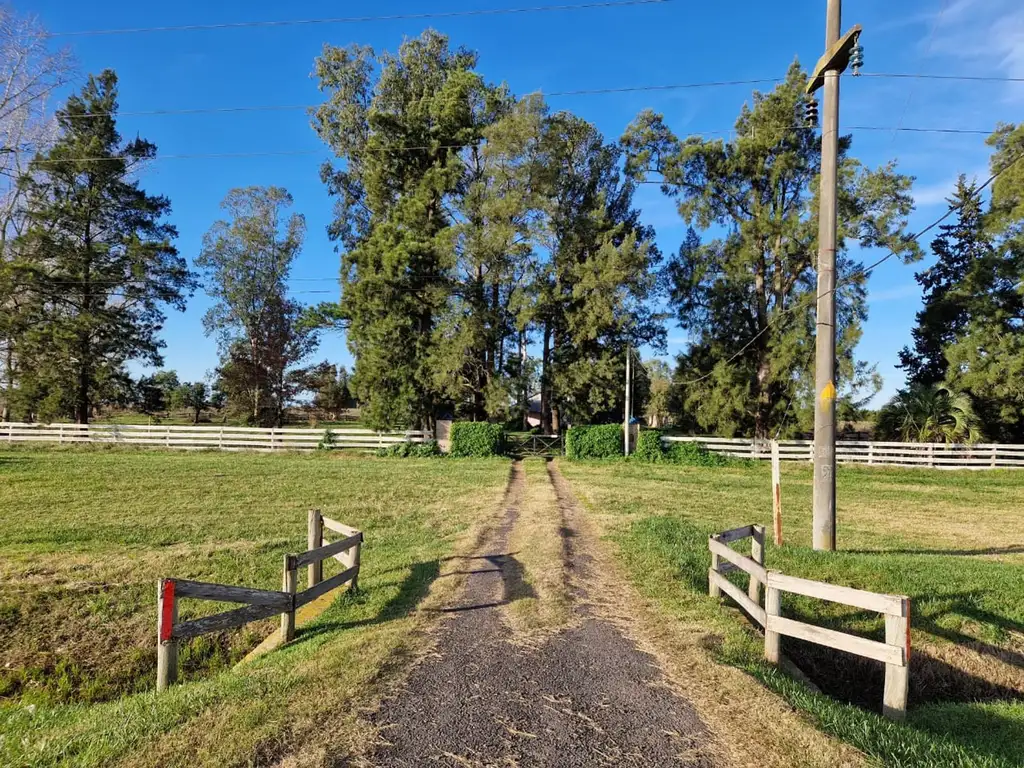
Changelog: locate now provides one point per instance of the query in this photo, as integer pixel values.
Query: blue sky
(673, 42)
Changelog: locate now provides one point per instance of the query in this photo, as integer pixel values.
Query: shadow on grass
(413, 589)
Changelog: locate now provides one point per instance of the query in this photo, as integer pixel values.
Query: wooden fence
(936, 455)
(208, 437)
(258, 603)
(894, 652)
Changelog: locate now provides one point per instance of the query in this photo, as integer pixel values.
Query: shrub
(477, 439)
(695, 455)
(594, 442)
(407, 450)
(328, 441)
(649, 447)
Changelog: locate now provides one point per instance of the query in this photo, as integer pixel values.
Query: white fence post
(776, 494)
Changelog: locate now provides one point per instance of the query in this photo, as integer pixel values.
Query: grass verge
(86, 534)
(946, 539)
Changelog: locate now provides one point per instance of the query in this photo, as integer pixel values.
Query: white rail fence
(208, 437)
(937, 455)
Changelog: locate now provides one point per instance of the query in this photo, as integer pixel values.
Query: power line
(927, 76)
(862, 272)
(573, 92)
(425, 148)
(358, 19)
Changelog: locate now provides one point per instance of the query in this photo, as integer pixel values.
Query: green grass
(951, 541)
(85, 535)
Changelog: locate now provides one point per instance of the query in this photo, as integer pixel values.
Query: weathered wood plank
(334, 525)
(328, 550)
(871, 649)
(289, 581)
(743, 562)
(757, 555)
(735, 534)
(897, 677)
(315, 540)
(737, 594)
(202, 590)
(858, 598)
(221, 621)
(772, 640)
(325, 586)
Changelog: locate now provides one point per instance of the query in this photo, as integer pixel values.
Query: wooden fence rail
(894, 652)
(223, 438)
(935, 455)
(259, 603)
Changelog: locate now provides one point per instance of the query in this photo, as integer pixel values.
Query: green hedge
(407, 450)
(477, 439)
(648, 447)
(597, 442)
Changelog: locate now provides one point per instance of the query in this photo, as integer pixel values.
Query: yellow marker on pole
(828, 393)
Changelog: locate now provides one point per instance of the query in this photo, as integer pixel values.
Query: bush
(696, 455)
(407, 450)
(649, 447)
(597, 442)
(477, 439)
(328, 441)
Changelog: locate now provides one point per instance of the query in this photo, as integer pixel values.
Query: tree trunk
(545, 382)
(524, 385)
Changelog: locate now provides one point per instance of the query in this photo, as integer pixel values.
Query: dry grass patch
(539, 599)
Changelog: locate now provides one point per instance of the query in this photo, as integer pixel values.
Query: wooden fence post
(871, 453)
(315, 540)
(897, 676)
(713, 589)
(166, 645)
(757, 555)
(995, 456)
(288, 585)
(350, 558)
(776, 493)
(772, 607)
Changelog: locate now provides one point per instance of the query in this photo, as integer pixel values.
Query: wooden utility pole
(826, 73)
(629, 404)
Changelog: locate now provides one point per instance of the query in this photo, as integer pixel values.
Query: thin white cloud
(939, 192)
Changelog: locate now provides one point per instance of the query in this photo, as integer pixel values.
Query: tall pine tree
(958, 249)
(95, 264)
(745, 293)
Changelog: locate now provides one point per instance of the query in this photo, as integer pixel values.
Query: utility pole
(629, 398)
(837, 55)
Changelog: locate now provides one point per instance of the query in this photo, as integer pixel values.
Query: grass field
(953, 542)
(84, 534)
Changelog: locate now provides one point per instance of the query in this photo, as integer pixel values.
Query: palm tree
(928, 413)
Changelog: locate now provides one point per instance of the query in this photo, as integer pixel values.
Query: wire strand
(357, 19)
(862, 272)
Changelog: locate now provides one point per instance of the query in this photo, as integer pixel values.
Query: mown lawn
(84, 535)
(953, 542)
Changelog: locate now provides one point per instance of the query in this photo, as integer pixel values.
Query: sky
(678, 41)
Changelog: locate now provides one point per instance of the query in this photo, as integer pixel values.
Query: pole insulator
(857, 58)
(811, 113)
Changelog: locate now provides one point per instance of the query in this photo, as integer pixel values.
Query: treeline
(965, 365)
(494, 265)
(491, 250)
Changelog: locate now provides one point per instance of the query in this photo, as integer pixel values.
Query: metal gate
(534, 445)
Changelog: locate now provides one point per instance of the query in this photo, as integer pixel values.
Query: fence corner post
(713, 589)
(757, 555)
(772, 608)
(897, 676)
(315, 540)
(166, 644)
(288, 585)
